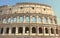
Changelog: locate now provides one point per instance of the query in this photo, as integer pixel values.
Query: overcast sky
(54, 3)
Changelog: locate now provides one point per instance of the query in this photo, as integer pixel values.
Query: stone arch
(13, 30)
(55, 21)
(33, 19)
(7, 30)
(46, 30)
(9, 19)
(27, 19)
(20, 29)
(21, 18)
(45, 19)
(27, 30)
(56, 31)
(1, 31)
(4, 20)
(39, 19)
(52, 31)
(15, 19)
(33, 30)
(50, 20)
(40, 30)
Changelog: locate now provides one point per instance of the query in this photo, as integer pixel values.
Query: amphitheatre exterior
(28, 20)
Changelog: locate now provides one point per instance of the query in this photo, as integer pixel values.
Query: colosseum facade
(28, 20)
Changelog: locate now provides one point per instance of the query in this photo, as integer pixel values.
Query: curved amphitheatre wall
(30, 8)
(44, 24)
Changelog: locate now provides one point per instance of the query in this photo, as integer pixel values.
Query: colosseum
(28, 20)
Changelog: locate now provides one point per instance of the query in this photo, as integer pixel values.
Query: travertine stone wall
(10, 18)
(30, 8)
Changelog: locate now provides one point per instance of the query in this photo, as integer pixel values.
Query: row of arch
(29, 19)
(27, 30)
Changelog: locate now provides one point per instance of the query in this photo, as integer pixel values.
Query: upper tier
(27, 8)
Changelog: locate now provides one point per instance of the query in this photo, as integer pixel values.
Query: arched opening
(4, 20)
(21, 7)
(21, 19)
(33, 30)
(40, 30)
(9, 19)
(15, 19)
(1, 30)
(33, 8)
(50, 20)
(20, 30)
(55, 21)
(52, 31)
(56, 31)
(44, 20)
(39, 19)
(14, 30)
(27, 19)
(46, 30)
(27, 30)
(7, 30)
(33, 19)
